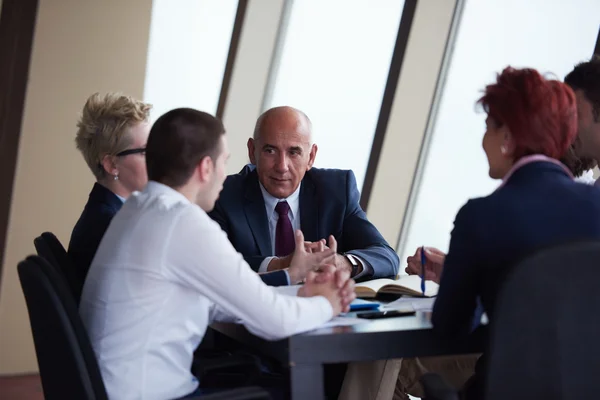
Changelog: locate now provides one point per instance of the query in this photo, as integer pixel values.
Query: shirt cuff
(265, 263)
(367, 270)
(325, 307)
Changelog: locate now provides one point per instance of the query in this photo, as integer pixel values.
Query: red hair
(541, 114)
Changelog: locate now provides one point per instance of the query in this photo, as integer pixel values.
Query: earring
(116, 177)
(503, 149)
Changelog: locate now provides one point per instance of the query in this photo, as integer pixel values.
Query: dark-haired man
(164, 270)
(585, 82)
(580, 167)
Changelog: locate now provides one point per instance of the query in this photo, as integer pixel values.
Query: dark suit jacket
(101, 207)
(328, 206)
(539, 206)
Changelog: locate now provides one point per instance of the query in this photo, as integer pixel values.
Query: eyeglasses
(141, 150)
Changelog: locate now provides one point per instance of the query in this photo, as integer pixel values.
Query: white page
(414, 282)
(417, 303)
(342, 320)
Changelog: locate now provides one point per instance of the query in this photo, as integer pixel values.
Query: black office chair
(217, 369)
(66, 360)
(49, 247)
(544, 340)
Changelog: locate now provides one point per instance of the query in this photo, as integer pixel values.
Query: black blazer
(101, 207)
(329, 205)
(539, 206)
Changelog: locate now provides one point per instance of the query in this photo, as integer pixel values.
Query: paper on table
(417, 303)
(292, 290)
(342, 321)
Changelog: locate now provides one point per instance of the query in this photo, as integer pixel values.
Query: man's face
(282, 152)
(588, 128)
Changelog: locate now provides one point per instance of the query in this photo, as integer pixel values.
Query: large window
(549, 35)
(333, 65)
(187, 53)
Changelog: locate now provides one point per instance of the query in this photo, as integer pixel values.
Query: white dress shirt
(587, 177)
(163, 271)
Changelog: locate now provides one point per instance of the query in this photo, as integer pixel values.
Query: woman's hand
(433, 265)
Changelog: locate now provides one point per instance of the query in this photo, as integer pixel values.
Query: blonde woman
(111, 135)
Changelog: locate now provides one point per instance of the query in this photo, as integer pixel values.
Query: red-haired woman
(531, 122)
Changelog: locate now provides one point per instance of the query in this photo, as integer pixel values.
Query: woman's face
(498, 148)
(132, 167)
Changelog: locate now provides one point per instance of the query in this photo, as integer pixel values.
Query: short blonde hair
(103, 127)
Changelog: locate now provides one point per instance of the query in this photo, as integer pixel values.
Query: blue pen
(423, 261)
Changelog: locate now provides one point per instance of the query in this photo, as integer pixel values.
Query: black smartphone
(386, 314)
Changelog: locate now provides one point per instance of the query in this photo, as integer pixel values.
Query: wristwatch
(354, 263)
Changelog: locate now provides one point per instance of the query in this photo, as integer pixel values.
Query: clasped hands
(310, 256)
(316, 264)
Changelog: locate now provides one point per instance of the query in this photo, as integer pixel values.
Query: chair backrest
(66, 360)
(49, 247)
(545, 334)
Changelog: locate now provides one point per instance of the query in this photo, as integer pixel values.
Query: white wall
(79, 47)
(409, 114)
(250, 76)
(551, 36)
(187, 53)
(334, 65)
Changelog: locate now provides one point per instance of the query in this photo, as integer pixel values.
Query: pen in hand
(423, 261)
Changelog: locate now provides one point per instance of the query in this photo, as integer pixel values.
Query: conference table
(305, 354)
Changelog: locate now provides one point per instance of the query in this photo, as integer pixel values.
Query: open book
(409, 285)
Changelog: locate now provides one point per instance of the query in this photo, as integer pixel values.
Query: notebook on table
(405, 285)
(361, 305)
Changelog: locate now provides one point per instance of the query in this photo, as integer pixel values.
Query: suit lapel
(309, 210)
(254, 208)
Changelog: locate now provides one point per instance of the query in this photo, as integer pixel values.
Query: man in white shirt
(164, 270)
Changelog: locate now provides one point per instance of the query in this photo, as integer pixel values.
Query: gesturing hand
(303, 262)
(315, 247)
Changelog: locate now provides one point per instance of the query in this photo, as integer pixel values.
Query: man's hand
(433, 266)
(341, 261)
(335, 285)
(315, 247)
(302, 262)
(278, 263)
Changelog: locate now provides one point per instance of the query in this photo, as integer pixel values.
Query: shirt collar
(532, 159)
(159, 189)
(293, 201)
